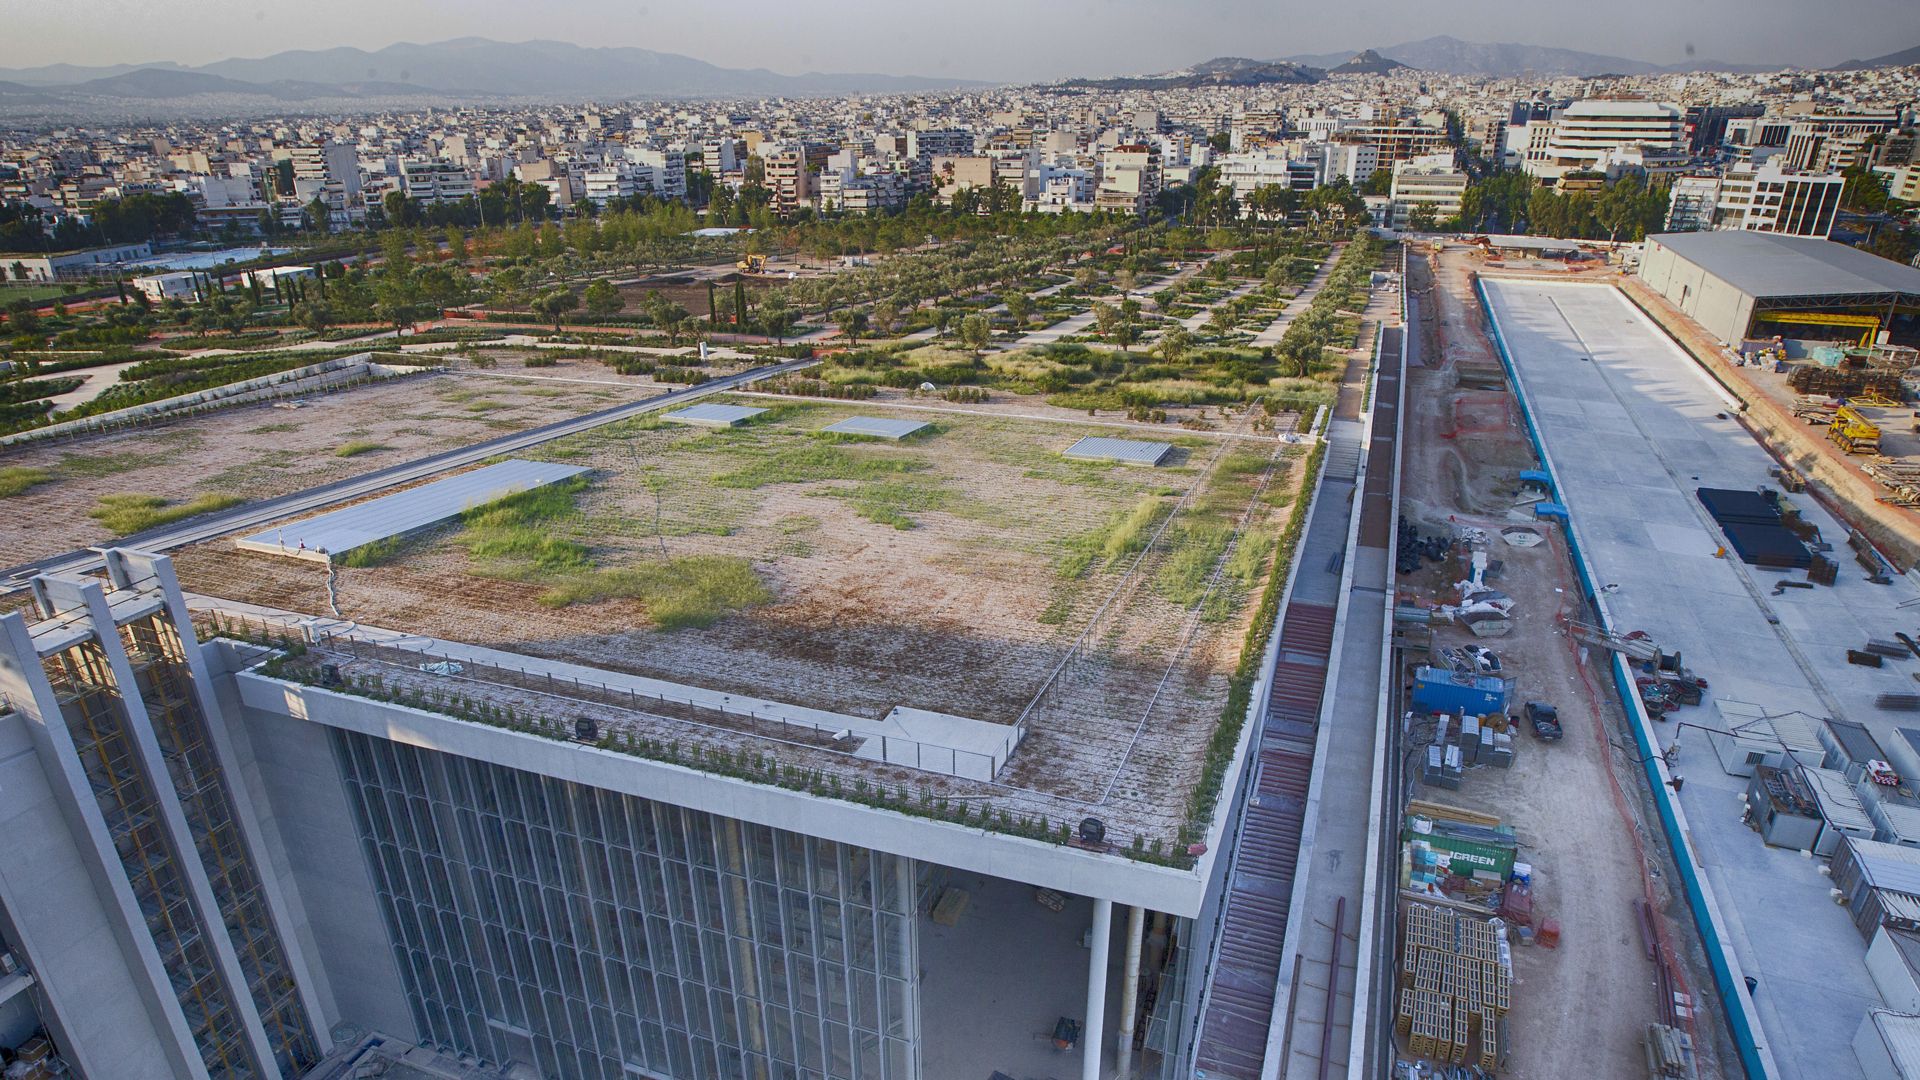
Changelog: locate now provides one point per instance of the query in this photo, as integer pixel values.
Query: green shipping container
(1462, 856)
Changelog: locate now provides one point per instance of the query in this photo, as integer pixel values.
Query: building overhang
(1016, 858)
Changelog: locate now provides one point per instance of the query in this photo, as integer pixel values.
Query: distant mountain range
(461, 69)
(1903, 58)
(1452, 56)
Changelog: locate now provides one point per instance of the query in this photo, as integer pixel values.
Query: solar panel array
(1124, 451)
(404, 512)
(713, 415)
(876, 427)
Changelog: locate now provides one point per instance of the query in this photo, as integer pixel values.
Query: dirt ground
(259, 451)
(1574, 804)
(960, 608)
(690, 290)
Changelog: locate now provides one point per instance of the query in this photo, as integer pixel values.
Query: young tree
(975, 332)
(1019, 305)
(777, 316)
(854, 325)
(602, 299)
(555, 305)
(313, 315)
(1174, 343)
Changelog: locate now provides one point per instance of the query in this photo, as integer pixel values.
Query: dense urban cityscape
(1397, 563)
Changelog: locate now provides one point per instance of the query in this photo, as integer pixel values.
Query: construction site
(1535, 892)
(1624, 583)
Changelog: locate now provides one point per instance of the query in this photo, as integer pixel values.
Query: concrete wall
(316, 856)
(88, 988)
(1718, 307)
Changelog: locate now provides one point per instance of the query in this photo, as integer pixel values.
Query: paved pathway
(1272, 334)
(97, 381)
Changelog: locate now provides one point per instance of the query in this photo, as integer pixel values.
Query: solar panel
(713, 415)
(1124, 451)
(876, 427)
(404, 512)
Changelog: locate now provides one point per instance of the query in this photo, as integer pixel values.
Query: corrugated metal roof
(713, 415)
(1125, 451)
(1900, 1034)
(877, 427)
(1887, 866)
(1902, 907)
(1839, 803)
(1774, 265)
(403, 512)
(1798, 731)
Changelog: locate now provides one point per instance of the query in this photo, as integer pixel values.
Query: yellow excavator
(1853, 432)
(752, 265)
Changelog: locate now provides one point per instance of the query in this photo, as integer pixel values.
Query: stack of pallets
(1454, 989)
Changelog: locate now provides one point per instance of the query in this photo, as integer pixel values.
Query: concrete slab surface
(1587, 359)
(404, 512)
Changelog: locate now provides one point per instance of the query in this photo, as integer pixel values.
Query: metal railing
(659, 708)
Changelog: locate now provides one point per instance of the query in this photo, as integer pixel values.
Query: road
(268, 510)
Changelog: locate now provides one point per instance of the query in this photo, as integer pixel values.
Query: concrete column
(1130, 989)
(1094, 1033)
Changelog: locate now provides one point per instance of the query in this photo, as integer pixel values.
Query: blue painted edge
(1663, 796)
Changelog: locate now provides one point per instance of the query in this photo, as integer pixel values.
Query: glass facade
(165, 680)
(600, 936)
(98, 720)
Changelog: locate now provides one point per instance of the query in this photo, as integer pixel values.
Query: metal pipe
(1094, 1033)
(1130, 988)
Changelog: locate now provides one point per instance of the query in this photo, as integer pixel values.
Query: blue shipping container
(1439, 690)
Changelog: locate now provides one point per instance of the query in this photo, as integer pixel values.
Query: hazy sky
(1012, 40)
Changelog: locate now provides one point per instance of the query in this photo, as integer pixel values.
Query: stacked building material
(1456, 977)
(1843, 382)
(1669, 1053)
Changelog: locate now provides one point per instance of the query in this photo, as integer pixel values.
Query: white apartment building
(435, 181)
(1764, 199)
(606, 184)
(1354, 162)
(1245, 173)
(876, 193)
(719, 156)
(1431, 181)
(1063, 189)
(330, 169)
(946, 142)
(1772, 199)
(1902, 181)
(1131, 172)
(668, 169)
(1587, 132)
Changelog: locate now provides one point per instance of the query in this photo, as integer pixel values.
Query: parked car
(1544, 719)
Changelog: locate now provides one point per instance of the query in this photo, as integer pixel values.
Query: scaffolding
(97, 719)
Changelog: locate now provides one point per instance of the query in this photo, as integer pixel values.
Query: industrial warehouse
(1742, 285)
